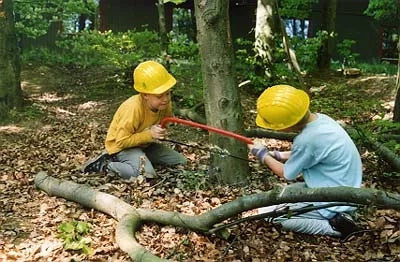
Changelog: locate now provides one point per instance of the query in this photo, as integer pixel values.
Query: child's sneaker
(96, 165)
(344, 223)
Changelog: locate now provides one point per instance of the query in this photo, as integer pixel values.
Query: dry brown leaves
(74, 132)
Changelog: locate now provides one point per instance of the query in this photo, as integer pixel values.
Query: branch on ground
(130, 219)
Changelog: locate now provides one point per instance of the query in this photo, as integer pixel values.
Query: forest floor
(65, 127)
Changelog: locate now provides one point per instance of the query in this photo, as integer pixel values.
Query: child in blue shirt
(322, 153)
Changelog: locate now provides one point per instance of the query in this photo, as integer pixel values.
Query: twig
(155, 185)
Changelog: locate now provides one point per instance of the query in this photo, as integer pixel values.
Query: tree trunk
(291, 55)
(221, 95)
(130, 219)
(396, 110)
(10, 83)
(162, 27)
(264, 35)
(82, 22)
(269, 24)
(328, 25)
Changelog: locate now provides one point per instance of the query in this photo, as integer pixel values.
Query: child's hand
(157, 132)
(258, 150)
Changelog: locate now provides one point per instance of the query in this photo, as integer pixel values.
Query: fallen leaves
(67, 137)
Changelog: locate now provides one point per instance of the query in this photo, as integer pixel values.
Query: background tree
(162, 27)
(272, 19)
(328, 26)
(221, 94)
(388, 12)
(90, 17)
(10, 84)
(265, 29)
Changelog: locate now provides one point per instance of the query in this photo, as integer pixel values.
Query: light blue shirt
(326, 156)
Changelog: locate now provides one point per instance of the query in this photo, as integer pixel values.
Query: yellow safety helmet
(281, 106)
(152, 78)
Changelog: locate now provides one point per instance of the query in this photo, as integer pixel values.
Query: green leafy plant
(190, 180)
(29, 112)
(378, 68)
(307, 50)
(33, 18)
(95, 48)
(247, 65)
(117, 53)
(182, 47)
(73, 235)
(345, 52)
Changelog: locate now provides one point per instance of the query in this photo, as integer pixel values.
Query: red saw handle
(209, 128)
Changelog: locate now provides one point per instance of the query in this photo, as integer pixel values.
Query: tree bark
(221, 95)
(264, 34)
(328, 25)
(162, 28)
(291, 55)
(130, 219)
(10, 83)
(396, 110)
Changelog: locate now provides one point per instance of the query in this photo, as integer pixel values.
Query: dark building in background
(372, 41)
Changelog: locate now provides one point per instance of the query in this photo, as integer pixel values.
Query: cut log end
(351, 72)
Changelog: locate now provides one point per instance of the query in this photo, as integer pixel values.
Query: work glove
(258, 150)
(157, 132)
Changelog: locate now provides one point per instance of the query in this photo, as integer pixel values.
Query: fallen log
(130, 219)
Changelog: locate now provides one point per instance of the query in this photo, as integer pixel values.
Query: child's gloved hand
(157, 132)
(258, 150)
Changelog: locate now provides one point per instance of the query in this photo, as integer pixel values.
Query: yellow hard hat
(152, 78)
(281, 106)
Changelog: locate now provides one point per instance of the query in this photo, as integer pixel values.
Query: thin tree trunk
(396, 110)
(221, 95)
(10, 83)
(328, 25)
(291, 55)
(162, 27)
(82, 22)
(292, 59)
(264, 35)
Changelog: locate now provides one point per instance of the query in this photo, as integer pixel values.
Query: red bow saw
(209, 128)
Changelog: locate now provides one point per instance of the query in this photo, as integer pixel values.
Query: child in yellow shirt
(131, 143)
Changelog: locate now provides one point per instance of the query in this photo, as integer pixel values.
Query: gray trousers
(139, 161)
(309, 223)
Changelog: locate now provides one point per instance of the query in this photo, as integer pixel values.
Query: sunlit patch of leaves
(28, 113)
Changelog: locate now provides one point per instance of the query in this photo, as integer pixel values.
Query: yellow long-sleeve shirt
(130, 126)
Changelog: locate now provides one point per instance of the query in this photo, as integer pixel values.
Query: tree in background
(388, 12)
(265, 30)
(162, 27)
(10, 84)
(271, 28)
(90, 16)
(328, 26)
(221, 94)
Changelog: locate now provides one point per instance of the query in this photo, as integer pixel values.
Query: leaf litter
(73, 130)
